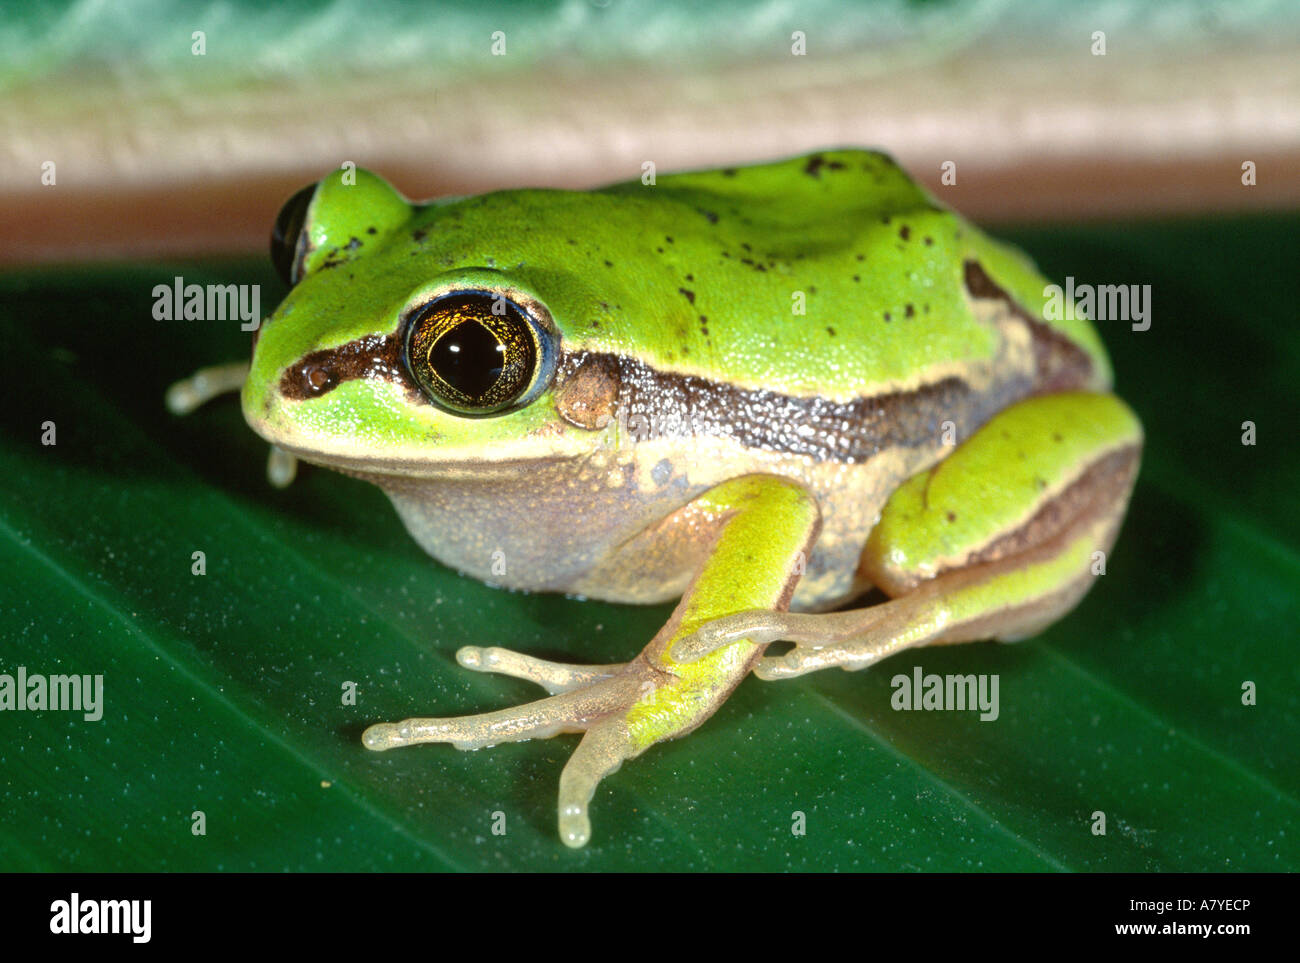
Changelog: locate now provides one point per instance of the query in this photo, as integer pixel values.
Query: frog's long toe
(554, 677)
(574, 711)
(600, 754)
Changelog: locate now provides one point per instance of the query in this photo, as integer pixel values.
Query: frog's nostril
(316, 379)
(313, 374)
(308, 379)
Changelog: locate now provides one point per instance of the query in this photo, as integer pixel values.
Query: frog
(801, 398)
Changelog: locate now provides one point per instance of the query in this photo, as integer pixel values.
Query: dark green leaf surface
(223, 691)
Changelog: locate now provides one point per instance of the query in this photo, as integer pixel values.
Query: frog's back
(831, 275)
(840, 260)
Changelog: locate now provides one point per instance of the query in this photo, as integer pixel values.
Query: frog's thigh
(996, 541)
(1009, 523)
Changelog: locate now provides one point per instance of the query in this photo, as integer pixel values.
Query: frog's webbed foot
(198, 389)
(594, 700)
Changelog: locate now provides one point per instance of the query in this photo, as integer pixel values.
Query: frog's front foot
(189, 394)
(594, 700)
(198, 389)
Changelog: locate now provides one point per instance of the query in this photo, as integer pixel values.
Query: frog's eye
(287, 235)
(478, 353)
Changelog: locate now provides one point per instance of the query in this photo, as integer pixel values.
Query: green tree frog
(762, 390)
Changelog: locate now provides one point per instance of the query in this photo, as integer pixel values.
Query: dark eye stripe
(489, 361)
(376, 356)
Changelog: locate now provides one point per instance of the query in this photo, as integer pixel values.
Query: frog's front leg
(189, 394)
(198, 389)
(998, 540)
(766, 525)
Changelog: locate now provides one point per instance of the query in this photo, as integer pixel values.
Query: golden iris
(475, 353)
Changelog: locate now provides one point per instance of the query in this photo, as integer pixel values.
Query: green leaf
(222, 691)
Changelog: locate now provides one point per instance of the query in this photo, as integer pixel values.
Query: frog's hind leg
(999, 540)
(554, 677)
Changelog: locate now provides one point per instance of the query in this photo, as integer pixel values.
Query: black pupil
(469, 358)
(472, 352)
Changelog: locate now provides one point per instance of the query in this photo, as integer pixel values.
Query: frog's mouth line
(388, 472)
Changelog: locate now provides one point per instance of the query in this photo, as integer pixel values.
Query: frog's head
(402, 349)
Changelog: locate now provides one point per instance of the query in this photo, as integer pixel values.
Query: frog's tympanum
(762, 390)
